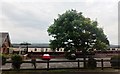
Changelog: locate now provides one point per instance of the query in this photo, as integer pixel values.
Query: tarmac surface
(54, 65)
(8, 66)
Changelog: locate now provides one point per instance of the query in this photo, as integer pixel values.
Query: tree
(25, 44)
(72, 31)
(16, 61)
(3, 59)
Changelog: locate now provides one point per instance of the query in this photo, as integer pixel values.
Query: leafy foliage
(70, 56)
(3, 57)
(92, 64)
(115, 61)
(16, 61)
(72, 31)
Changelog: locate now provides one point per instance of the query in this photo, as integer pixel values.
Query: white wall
(44, 50)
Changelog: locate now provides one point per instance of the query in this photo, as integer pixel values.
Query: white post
(19, 50)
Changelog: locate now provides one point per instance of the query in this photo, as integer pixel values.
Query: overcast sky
(28, 20)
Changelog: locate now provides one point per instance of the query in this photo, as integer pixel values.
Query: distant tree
(72, 31)
(25, 44)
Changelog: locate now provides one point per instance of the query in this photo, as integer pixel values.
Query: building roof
(3, 36)
(46, 45)
(114, 46)
(32, 45)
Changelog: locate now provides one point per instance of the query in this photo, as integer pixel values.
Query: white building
(46, 48)
(35, 48)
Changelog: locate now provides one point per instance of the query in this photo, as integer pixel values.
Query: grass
(31, 71)
(59, 71)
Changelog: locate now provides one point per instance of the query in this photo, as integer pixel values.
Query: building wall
(49, 49)
(38, 49)
(5, 46)
(4, 42)
(43, 50)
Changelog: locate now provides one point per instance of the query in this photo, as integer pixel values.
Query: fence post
(47, 65)
(78, 64)
(102, 65)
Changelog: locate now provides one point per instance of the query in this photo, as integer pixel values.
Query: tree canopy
(72, 31)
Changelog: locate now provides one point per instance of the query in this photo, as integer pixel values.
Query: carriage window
(113, 49)
(46, 50)
(35, 49)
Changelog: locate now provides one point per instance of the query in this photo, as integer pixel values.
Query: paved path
(53, 65)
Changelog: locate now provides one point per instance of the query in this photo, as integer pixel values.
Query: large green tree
(72, 31)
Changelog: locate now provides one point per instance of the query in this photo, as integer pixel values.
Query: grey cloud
(105, 12)
(23, 18)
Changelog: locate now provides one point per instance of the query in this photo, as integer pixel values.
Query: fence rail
(48, 62)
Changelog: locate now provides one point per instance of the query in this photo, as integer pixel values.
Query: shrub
(70, 56)
(16, 61)
(115, 61)
(67, 54)
(91, 64)
(3, 58)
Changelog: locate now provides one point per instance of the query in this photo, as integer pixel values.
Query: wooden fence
(48, 62)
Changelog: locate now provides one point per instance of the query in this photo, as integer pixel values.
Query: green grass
(59, 71)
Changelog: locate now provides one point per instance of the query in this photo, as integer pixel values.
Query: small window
(113, 49)
(46, 49)
(35, 49)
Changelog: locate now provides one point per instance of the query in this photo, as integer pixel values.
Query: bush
(91, 64)
(3, 58)
(70, 56)
(115, 61)
(16, 61)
